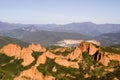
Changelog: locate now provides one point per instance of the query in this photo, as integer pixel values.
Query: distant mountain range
(9, 26)
(19, 33)
(86, 28)
(107, 34)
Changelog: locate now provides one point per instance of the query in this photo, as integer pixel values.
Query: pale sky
(59, 11)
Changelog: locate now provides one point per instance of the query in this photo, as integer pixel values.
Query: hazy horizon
(59, 12)
(55, 23)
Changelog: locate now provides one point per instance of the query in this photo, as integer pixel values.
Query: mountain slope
(7, 40)
(109, 39)
(19, 33)
(50, 37)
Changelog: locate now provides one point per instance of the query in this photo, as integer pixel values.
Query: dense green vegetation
(9, 67)
(46, 68)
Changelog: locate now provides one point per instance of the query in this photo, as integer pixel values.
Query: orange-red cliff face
(67, 61)
(25, 53)
(33, 74)
(88, 47)
(102, 57)
(22, 53)
(11, 50)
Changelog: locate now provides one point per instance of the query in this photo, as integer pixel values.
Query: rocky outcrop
(76, 54)
(110, 70)
(92, 49)
(114, 57)
(30, 74)
(87, 75)
(24, 53)
(41, 59)
(66, 63)
(50, 55)
(88, 47)
(115, 78)
(54, 69)
(33, 74)
(107, 57)
(73, 59)
(104, 60)
(37, 48)
(59, 50)
(11, 50)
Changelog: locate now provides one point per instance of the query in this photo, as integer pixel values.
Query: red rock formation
(88, 47)
(41, 59)
(50, 55)
(64, 62)
(25, 53)
(59, 50)
(115, 57)
(84, 47)
(105, 58)
(76, 54)
(37, 48)
(87, 75)
(92, 49)
(31, 73)
(54, 69)
(11, 50)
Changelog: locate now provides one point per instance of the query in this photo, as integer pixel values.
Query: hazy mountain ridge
(20, 32)
(86, 28)
(108, 39)
(9, 26)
